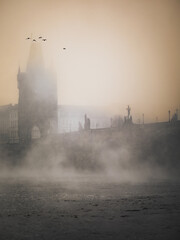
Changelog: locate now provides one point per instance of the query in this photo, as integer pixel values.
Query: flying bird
(44, 39)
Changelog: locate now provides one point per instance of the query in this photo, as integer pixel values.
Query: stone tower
(37, 107)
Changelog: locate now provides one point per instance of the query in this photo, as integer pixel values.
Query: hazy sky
(118, 52)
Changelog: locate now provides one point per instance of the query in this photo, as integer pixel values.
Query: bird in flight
(44, 39)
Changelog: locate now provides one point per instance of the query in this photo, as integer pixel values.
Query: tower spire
(35, 60)
(19, 70)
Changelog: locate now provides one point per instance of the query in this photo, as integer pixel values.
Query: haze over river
(88, 209)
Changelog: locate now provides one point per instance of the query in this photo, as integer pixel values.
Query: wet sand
(83, 210)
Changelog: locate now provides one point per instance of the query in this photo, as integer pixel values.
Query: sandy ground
(84, 210)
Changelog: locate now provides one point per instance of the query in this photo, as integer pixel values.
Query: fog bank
(129, 155)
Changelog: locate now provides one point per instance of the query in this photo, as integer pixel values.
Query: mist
(130, 155)
(89, 146)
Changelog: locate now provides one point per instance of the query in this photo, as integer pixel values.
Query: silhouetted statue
(174, 117)
(169, 113)
(129, 111)
(128, 119)
(87, 123)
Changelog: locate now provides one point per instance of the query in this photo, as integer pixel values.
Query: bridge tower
(37, 106)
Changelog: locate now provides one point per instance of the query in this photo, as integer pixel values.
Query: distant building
(72, 118)
(9, 124)
(117, 122)
(13, 134)
(69, 118)
(35, 115)
(37, 105)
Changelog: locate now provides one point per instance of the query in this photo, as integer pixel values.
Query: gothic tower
(37, 107)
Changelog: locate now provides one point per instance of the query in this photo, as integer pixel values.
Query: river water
(88, 209)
